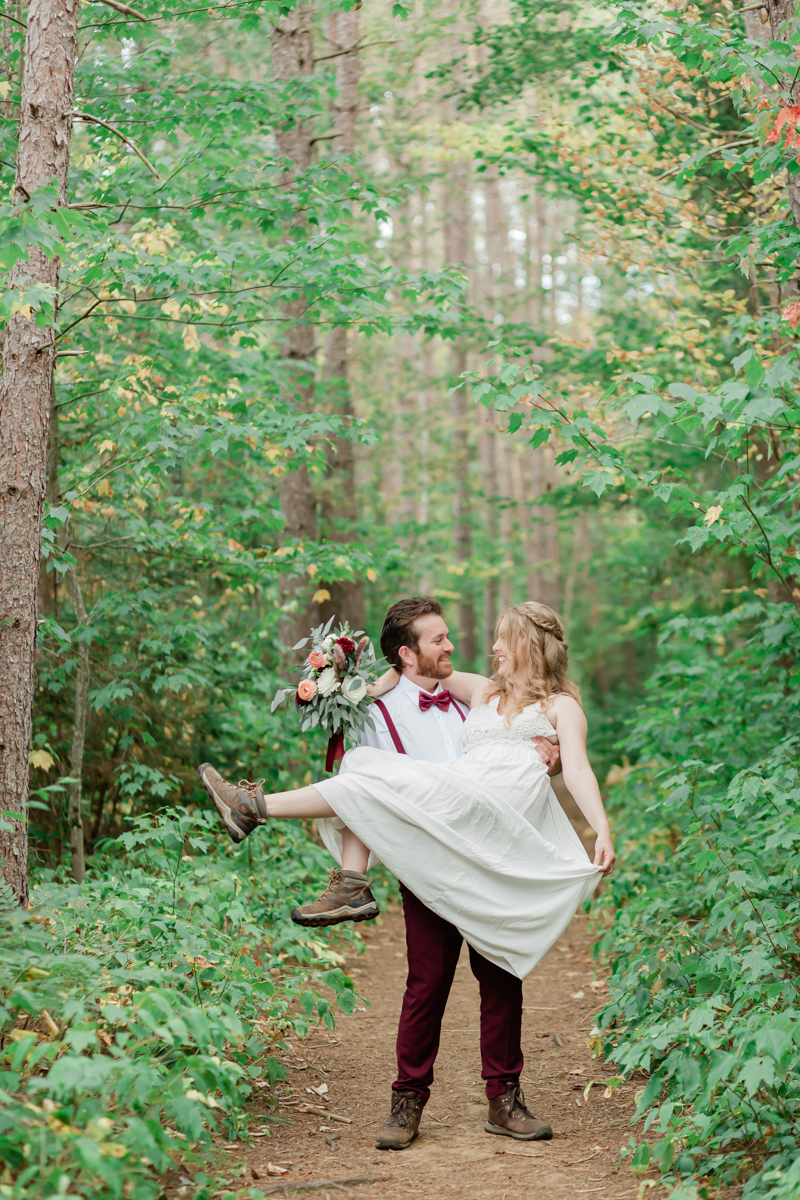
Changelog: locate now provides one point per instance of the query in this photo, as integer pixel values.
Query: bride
(481, 841)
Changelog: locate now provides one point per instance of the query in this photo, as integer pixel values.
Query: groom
(421, 719)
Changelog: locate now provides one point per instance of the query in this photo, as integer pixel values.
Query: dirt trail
(453, 1156)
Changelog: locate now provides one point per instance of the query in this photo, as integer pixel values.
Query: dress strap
(390, 725)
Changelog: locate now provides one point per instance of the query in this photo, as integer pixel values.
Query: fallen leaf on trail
(578, 995)
(273, 1170)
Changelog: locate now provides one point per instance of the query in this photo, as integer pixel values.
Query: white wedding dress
(482, 841)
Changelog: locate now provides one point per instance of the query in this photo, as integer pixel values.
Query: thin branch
(21, 24)
(150, 20)
(125, 9)
(767, 556)
(113, 129)
(352, 49)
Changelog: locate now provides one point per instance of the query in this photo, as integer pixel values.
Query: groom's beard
(435, 667)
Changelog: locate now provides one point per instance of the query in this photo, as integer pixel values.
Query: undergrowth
(705, 989)
(141, 1011)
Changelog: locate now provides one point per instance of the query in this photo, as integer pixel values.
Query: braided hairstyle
(537, 651)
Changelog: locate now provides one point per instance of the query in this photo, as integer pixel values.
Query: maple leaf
(792, 314)
(785, 125)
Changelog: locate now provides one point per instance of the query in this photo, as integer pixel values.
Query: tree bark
(339, 509)
(457, 250)
(293, 56)
(74, 818)
(28, 359)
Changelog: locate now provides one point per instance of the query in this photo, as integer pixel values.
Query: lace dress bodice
(485, 726)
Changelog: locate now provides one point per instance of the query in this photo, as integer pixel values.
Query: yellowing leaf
(106, 445)
(5, 88)
(234, 545)
(313, 570)
(713, 514)
(104, 488)
(320, 595)
(128, 306)
(372, 575)
(190, 339)
(171, 308)
(41, 759)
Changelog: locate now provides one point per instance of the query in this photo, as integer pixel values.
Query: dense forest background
(490, 301)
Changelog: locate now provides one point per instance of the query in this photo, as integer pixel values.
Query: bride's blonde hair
(534, 637)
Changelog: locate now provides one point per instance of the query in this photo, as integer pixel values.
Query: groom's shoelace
(517, 1105)
(250, 788)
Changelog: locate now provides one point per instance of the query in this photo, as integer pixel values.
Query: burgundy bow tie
(441, 700)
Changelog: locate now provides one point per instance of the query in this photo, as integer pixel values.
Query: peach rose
(317, 659)
(306, 691)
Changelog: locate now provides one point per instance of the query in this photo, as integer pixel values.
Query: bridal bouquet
(332, 695)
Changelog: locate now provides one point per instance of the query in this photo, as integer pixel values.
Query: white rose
(354, 688)
(328, 641)
(327, 682)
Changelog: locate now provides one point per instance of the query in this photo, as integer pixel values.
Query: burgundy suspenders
(390, 725)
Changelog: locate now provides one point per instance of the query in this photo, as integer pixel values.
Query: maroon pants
(433, 948)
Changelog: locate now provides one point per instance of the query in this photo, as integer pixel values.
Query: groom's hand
(550, 753)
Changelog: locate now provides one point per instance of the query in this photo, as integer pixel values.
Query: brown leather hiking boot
(509, 1116)
(242, 808)
(346, 898)
(399, 1131)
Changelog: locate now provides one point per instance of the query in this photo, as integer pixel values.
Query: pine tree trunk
(340, 510)
(293, 56)
(28, 360)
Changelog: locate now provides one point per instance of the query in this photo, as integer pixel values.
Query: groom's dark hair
(398, 628)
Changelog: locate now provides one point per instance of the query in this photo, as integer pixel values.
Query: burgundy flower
(347, 644)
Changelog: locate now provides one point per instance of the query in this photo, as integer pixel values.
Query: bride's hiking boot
(346, 898)
(402, 1125)
(242, 808)
(509, 1117)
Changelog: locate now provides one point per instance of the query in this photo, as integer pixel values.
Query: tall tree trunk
(28, 359)
(74, 818)
(340, 510)
(458, 224)
(75, 789)
(293, 56)
(543, 581)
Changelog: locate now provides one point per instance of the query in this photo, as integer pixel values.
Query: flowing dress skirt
(482, 841)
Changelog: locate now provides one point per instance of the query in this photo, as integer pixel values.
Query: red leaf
(792, 314)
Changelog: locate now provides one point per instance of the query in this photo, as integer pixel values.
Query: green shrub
(706, 931)
(141, 1011)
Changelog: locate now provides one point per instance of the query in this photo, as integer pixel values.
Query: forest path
(453, 1157)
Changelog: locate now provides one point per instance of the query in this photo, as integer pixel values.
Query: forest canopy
(329, 304)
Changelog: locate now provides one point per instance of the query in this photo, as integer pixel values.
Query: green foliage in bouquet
(332, 695)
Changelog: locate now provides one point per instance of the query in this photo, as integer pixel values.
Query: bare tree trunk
(457, 232)
(74, 818)
(543, 582)
(491, 588)
(293, 56)
(28, 359)
(340, 510)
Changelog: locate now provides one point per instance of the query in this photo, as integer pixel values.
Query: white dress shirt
(434, 736)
